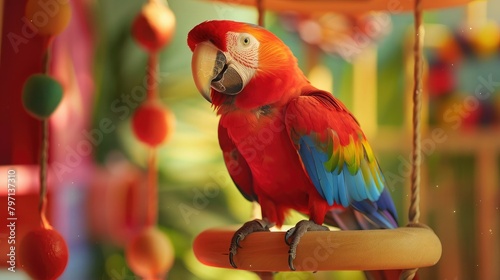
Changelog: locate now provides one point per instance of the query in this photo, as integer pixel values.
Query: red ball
(441, 79)
(43, 254)
(152, 123)
(150, 254)
(154, 27)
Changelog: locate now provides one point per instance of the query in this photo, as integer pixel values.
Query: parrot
(286, 144)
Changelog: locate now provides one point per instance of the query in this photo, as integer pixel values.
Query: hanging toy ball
(450, 51)
(150, 254)
(43, 254)
(48, 17)
(486, 40)
(154, 27)
(41, 95)
(152, 123)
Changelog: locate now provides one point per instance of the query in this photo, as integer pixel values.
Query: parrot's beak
(211, 70)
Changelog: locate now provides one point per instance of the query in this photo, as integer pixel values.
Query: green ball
(41, 95)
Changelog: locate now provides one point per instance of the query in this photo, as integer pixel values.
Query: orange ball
(154, 27)
(48, 17)
(43, 254)
(152, 123)
(450, 51)
(150, 254)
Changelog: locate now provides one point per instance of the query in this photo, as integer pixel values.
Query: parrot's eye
(245, 40)
(243, 48)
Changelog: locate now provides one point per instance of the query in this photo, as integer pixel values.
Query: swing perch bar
(401, 248)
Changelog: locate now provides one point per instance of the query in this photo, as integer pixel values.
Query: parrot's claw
(240, 234)
(293, 235)
(288, 234)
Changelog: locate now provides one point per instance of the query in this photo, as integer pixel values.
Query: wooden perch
(400, 248)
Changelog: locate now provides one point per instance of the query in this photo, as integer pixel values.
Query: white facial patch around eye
(244, 48)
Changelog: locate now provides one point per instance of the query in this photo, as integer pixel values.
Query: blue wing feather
(350, 184)
(335, 187)
(342, 191)
(361, 187)
(308, 162)
(371, 187)
(313, 161)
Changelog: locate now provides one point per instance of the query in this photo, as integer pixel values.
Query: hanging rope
(260, 10)
(44, 149)
(414, 210)
(42, 203)
(152, 189)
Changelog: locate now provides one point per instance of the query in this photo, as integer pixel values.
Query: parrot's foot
(247, 228)
(293, 235)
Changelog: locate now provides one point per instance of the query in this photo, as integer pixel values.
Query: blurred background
(364, 58)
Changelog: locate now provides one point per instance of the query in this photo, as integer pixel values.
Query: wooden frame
(346, 7)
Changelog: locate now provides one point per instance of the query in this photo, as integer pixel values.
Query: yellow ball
(486, 40)
(48, 17)
(150, 254)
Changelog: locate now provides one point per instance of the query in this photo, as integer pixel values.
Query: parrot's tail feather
(348, 219)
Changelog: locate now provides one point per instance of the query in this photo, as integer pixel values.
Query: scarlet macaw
(286, 144)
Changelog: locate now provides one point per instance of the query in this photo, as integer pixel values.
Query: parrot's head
(235, 61)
